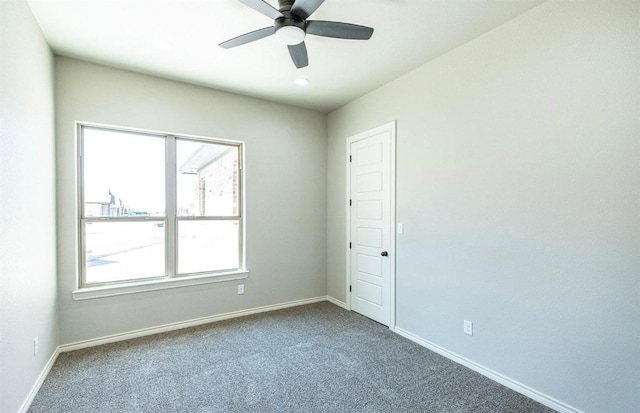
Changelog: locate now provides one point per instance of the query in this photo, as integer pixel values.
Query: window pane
(208, 246)
(124, 174)
(207, 179)
(116, 251)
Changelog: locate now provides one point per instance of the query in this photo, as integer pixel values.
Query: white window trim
(171, 281)
(135, 287)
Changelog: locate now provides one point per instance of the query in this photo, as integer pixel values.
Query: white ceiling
(178, 39)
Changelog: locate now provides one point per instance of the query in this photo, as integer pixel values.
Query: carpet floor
(312, 358)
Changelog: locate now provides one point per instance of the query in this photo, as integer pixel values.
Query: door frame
(388, 127)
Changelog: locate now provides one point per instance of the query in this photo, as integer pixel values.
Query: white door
(371, 179)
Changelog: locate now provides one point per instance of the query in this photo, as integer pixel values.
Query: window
(157, 206)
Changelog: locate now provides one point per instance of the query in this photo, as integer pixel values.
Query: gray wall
(285, 170)
(518, 182)
(28, 306)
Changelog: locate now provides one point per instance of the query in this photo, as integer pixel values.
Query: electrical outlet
(400, 228)
(35, 346)
(241, 289)
(468, 327)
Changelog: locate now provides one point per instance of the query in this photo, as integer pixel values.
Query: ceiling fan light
(290, 35)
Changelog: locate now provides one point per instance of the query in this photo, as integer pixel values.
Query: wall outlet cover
(468, 327)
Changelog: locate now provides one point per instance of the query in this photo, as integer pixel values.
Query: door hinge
(349, 245)
(350, 158)
(349, 202)
(349, 288)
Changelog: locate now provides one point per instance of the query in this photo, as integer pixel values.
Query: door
(371, 179)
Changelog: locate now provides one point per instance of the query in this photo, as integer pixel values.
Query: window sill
(135, 287)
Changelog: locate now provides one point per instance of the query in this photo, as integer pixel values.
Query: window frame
(171, 220)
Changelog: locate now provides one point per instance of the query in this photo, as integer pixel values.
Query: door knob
(384, 253)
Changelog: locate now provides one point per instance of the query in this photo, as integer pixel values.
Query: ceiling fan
(291, 26)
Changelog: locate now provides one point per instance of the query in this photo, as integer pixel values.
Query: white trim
(171, 206)
(390, 127)
(157, 132)
(153, 285)
(497, 377)
(337, 302)
(347, 287)
(392, 287)
(184, 324)
(41, 378)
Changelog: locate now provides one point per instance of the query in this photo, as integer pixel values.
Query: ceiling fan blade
(339, 30)
(299, 55)
(262, 7)
(248, 37)
(304, 8)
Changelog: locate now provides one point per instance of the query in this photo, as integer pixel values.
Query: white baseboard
(183, 324)
(337, 302)
(497, 377)
(36, 386)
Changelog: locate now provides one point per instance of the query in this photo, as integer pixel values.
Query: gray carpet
(314, 358)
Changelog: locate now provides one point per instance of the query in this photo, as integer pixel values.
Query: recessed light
(301, 81)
